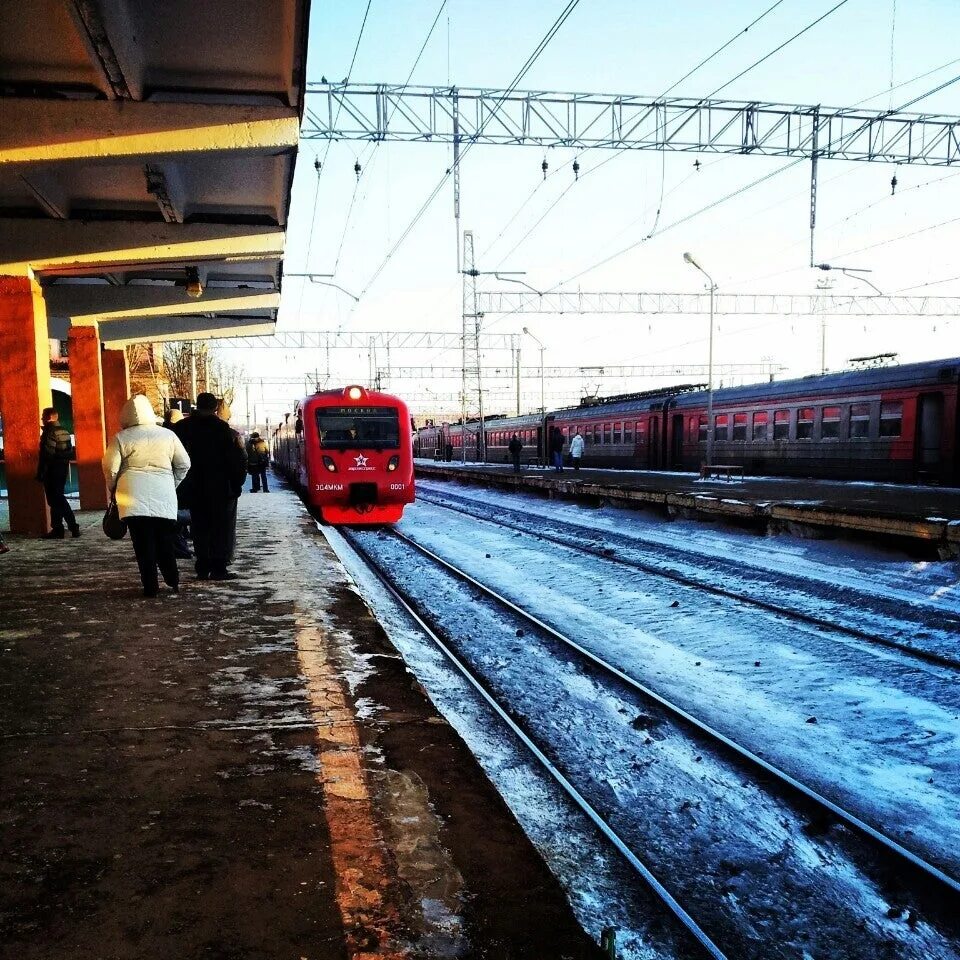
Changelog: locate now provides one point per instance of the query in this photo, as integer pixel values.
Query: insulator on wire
(356, 168)
(696, 165)
(544, 167)
(576, 169)
(893, 185)
(317, 164)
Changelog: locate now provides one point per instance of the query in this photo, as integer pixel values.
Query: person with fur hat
(215, 482)
(143, 466)
(258, 459)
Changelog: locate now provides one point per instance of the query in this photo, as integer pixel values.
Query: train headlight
(329, 464)
(393, 463)
(355, 393)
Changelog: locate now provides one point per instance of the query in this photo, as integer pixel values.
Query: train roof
(343, 394)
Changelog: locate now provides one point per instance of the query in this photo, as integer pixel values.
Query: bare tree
(213, 375)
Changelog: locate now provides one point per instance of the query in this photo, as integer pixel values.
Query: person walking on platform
(516, 448)
(215, 482)
(143, 466)
(181, 548)
(576, 450)
(258, 459)
(52, 471)
(556, 449)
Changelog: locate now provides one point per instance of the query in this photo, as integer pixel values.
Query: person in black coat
(258, 459)
(53, 467)
(516, 448)
(556, 449)
(212, 487)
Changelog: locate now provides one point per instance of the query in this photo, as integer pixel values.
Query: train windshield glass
(354, 428)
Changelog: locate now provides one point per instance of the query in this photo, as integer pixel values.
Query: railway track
(606, 553)
(939, 888)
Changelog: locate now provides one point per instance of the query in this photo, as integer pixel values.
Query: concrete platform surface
(189, 776)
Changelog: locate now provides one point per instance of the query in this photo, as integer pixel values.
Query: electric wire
(524, 70)
(776, 50)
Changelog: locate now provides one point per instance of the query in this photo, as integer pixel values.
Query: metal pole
(193, 374)
(516, 352)
(248, 406)
(713, 287)
(543, 402)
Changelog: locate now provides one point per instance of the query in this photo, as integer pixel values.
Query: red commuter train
(351, 452)
(897, 423)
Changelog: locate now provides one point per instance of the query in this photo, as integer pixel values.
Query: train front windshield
(354, 428)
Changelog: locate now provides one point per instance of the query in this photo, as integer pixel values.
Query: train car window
(618, 432)
(628, 432)
(352, 428)
(720, 423)
(830, 423)
(596, 433)
(805, 423)
(641, 432)
(891, 418)
(702, 428)
(781, 424)
(587, 435)
(860, 421)
(739, 426)
(607, 432)
(759, 425)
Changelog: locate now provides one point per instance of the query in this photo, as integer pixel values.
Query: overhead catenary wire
(523, 71)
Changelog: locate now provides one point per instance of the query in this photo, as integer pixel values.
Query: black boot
(53, 534)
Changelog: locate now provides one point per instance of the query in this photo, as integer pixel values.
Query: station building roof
(145, 146)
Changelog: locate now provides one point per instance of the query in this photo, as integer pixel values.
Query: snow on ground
(739, 858)
(600, 887)
(850, 583)
(869, 727)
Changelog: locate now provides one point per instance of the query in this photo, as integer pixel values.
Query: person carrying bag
(143, 466)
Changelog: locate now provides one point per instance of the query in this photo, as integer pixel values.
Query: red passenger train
(899, 423)
(350, 451)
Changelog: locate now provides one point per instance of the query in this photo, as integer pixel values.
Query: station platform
(246, 769)
(926, 516)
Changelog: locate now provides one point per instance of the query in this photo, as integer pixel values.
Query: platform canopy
(147, 154)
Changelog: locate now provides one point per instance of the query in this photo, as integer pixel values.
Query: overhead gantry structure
(147, 154)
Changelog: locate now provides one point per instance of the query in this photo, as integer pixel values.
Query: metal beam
(598, 372)
(364, 339)
(85, 247)
(51, 131)
(731, 304)
(119, 333)
(355, 111)
(103, 302)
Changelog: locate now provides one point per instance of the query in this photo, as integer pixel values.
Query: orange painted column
(86, 383)
(24, 392)
(116, 388)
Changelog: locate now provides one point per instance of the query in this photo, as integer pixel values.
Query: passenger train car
(897, 423)
(351, 452)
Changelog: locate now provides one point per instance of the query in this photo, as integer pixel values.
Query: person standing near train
(576, 450)
(556, 449)
(258, 459)
(516, 448)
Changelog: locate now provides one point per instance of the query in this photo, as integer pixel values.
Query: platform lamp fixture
(194, 283)
(689, 258)
(543, 402)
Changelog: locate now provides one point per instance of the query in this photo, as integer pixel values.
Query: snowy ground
(742, 858)
(886, 738)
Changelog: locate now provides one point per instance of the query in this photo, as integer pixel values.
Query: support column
(86, 383)
(24, 392)
(116, 388)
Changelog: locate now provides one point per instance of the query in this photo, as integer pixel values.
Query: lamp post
(689, 258)
(543, 402)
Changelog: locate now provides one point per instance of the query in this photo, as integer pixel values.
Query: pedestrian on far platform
(576, 450)
(53, 468)
(258, 460)
(556, 449)
(516, 448)
(215, 482)
(143, 467)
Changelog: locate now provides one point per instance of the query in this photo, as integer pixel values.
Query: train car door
(929, 430)
(654, 459)
(676, 442)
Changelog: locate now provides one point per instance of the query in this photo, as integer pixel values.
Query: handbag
(113, 526)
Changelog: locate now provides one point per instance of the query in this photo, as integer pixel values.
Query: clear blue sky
(757, 243)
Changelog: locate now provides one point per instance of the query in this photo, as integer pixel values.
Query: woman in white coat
(143, 467)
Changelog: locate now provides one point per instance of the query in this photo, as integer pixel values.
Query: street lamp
(689, 258)
(543, 402)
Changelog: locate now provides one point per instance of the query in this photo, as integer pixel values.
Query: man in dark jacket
(258, 459)
(213, 485)
(516, 448)
(556, 449)
(52, 470)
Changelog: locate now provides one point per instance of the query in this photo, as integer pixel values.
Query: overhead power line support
(617, 122)
(472, 376)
